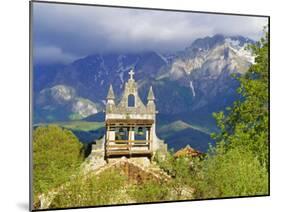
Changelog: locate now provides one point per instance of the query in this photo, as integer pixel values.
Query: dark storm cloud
(63, 33)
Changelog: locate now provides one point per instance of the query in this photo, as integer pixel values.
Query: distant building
(130, 124)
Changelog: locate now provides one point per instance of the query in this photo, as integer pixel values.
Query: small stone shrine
(129, 125)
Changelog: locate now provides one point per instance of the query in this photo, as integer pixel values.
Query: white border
(14, 88)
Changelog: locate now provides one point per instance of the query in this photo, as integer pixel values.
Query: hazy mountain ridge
(203, 69)
(189, 85)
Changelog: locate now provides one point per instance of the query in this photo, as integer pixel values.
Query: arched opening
(131, 100)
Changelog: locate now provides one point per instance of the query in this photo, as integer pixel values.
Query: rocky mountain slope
(61, 102)
(189, 85)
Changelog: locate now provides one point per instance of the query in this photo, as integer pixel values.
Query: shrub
(149, 191)
(56, 156)
(181, 170)
(234, 173)
(91, 190)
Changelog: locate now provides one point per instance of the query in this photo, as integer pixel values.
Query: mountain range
(189, 85)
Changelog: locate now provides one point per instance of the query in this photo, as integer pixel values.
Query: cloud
(65, 32)
(51, 54)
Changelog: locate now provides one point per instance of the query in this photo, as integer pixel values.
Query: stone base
(143, 161)
(97, 157)
(162, 149)
(136, 169)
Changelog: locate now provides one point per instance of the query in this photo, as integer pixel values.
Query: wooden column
(106, 139)
(132, 134)
(147, 133)
(150, 138)
(107, 131)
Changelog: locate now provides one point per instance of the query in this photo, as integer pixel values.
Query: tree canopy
(56, 156)
(238, 164)
(246, 123)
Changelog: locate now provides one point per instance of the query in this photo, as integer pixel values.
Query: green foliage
(90, 190)
(56, 156)
(234, 173)
(246, 122)
(149, 191)
(238, 165)
(175, 167)
(181, 170)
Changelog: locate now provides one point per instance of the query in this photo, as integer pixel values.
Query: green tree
(236, 172)
(238, 165)
(56, 156)
(245, 124)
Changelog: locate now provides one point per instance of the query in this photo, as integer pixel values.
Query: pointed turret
(110, 94)
(150, 101)
(150, 96)
(110, 104)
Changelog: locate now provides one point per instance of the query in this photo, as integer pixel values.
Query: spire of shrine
(110, 94)
(150, 96)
